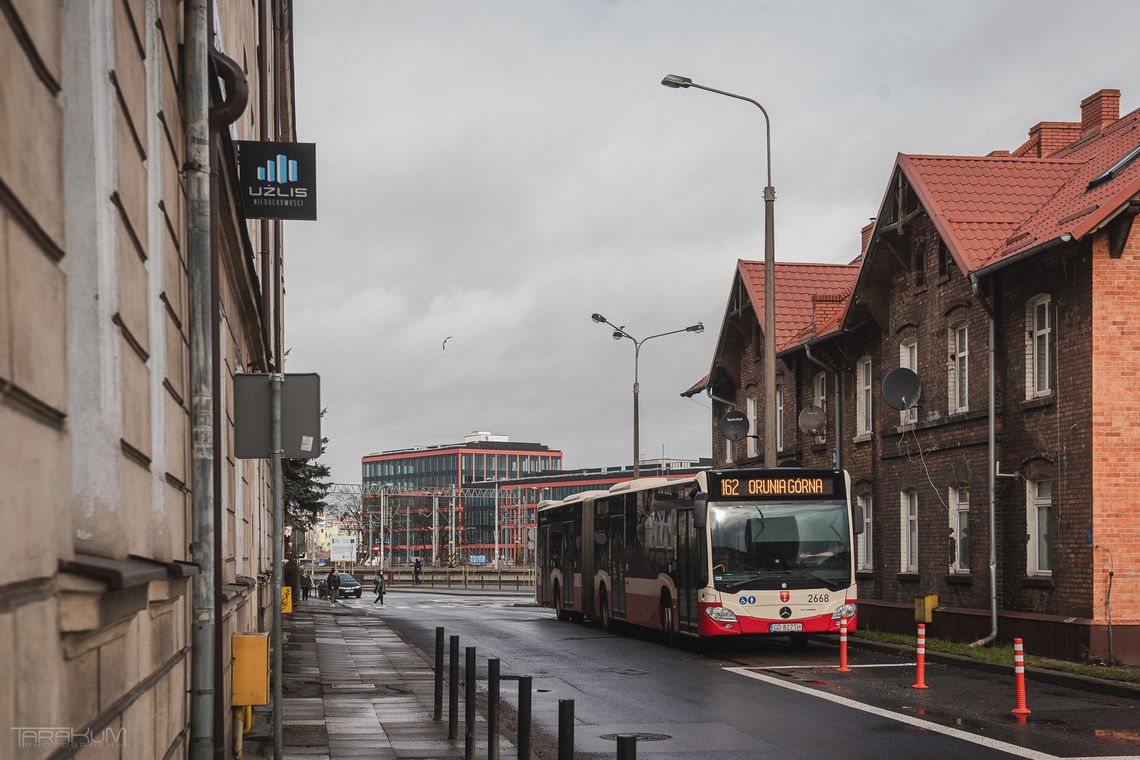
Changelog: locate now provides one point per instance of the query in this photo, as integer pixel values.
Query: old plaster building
(1039, 243)
(94, 352)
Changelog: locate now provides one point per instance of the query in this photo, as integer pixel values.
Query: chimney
(866, 232)
(1099, 110)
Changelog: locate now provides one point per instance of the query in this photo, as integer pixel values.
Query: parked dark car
(349, 586)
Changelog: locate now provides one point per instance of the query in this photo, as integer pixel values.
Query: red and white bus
(725, 553)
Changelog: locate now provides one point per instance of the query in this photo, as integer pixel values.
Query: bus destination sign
(766, 484)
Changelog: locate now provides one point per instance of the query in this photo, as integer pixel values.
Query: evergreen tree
(306, 484)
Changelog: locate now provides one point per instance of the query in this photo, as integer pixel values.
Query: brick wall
(1116, 436)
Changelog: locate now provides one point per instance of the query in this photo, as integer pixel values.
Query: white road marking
(983, 741)
(832, 666)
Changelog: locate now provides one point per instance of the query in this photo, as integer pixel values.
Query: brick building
(1038, 243)
(95, 390)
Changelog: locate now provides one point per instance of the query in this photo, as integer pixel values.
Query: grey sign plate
(300, 416)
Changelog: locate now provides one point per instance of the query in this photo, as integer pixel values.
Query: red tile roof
(697, 387)
(797, 285)
(988, 209)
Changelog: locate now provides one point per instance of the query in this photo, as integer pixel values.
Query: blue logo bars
(280, 171)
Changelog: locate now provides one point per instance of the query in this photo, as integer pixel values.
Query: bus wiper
(830, 585)
(735, 585)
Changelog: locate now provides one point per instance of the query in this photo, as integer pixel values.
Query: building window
(960, 529)
(863, 397)
(864, 545)
(728, 451)
(908, 519)
(1038, 329)
(750, 447)
(908, 358)
(959, 370)
(1038, 518)
(819, 384)
(943, 259)
(779, 418)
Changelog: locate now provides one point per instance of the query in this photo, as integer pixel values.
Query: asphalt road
(758, 699)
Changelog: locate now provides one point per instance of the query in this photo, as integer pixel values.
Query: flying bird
(449, 337)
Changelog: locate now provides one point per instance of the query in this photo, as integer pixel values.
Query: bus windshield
(780, 545)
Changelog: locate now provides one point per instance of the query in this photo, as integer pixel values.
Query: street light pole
(676, 82)
(618, 334)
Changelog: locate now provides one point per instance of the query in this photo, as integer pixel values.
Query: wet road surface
(760, 698)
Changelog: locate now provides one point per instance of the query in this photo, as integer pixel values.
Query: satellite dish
(812, 419)
(901, 389)
(734, 425)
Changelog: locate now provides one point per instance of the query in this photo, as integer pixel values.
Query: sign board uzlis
(278, 179)
(300, 416)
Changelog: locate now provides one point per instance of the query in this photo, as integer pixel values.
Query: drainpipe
(197, 171)
(992, 464)
(263, 135)
(838, 390)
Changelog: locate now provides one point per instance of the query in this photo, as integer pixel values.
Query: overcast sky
(497, 171)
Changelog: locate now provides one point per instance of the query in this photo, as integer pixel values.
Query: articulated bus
(725, 553)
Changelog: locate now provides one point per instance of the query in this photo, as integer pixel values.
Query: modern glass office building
(482, 457)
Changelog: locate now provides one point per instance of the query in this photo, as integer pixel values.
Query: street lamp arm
(662, 335)
(767, 123)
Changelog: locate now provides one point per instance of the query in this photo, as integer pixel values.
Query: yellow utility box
(250, 668)
(924, 605)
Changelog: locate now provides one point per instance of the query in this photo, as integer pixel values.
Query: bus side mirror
(857, 516)
(700, 510)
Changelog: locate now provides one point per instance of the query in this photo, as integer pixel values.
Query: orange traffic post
(1019, 678)
(920, 651)
(843, 645)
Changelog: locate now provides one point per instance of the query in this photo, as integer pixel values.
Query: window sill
(862, 437)
(959, 579)
(1036, 403)
(1037, 581)
(865, 575)
(909, 577)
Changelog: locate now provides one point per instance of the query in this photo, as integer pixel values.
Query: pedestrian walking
(378, 589)
(306, 585)
(333, 586)
(417, 568)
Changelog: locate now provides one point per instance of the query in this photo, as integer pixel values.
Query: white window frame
(959, 515)
(908, 531)
(864, 396)
(1034, 503)
(908, 358)
(819, 391)
(958, 373)
(750, 447)
(864, 541)
(1035, 385)
(728, 458)
(779, 418)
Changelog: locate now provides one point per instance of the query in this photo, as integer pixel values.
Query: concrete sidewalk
(353, 689)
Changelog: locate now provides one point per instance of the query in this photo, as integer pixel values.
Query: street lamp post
(618, 334)
(676, 82)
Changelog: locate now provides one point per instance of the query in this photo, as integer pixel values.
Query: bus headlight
(721, 614)
(844, 610)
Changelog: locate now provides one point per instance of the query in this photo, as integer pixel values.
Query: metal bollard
(524, 718)
(565, 729)
(469, 675)
(627, 747)
(492, 709)
(438, 712)
(453, 690)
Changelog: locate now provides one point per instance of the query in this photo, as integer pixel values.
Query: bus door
(569, 552)
(616, 540)
(685, 575)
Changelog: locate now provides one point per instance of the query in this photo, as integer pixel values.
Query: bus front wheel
(562, 614)
(607, 614)
(667, 620)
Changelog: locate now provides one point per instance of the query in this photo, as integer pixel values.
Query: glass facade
(464, 467)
